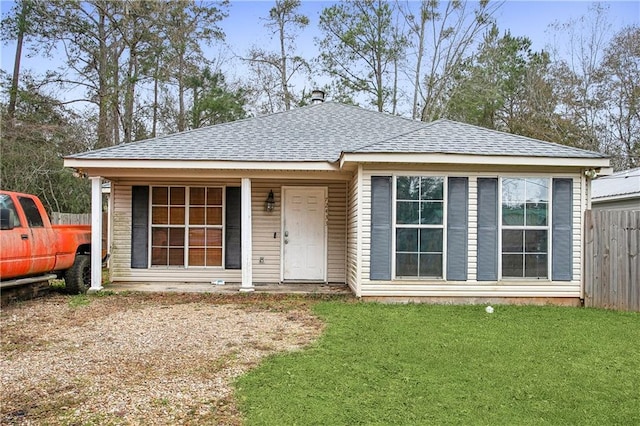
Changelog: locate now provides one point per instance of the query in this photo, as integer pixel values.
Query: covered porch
(263, 232)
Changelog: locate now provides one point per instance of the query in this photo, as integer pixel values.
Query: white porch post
(96, 233)
(245, 224)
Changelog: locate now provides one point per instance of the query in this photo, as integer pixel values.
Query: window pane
(536, 241)
(176, 215)
(159, 256)
(407, 265)
(407, 240)
(214, 196)
(196, 257)
(537, 190)
(34, 219)
(431, 213)
(513, 191)
(214, 257)
(160, 195)
(431, 265)
(176, 256)
(430, 241)
(196, 196)
(512, 265)
(159, 236)
(407, 188)
(196, 237)
(176, 237)
(536, 265)
(536, 214)
(214, 237)
(159, 215)
(196, 215)
(512, 241)
(513, 214)
(407, 212)
(431, 188)
(214, 215)
(177, 196)
(10, 218)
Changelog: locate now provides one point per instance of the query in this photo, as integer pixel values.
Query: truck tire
(77, 279)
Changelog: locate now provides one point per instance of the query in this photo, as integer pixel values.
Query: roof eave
(497, 160)
(87, 165)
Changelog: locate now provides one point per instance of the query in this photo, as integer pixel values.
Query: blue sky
(523, 18)
(244, 27)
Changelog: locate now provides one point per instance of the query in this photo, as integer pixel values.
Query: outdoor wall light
(591, 173)
(270, 203)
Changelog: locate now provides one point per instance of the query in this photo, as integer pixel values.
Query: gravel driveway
(140, 358)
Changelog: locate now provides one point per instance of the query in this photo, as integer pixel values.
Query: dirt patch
(140, 358)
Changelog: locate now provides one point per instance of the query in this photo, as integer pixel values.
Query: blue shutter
(562, 230)
(140, 227)
(488, 229)
(457, 228)
(381, 228)
(232, 236)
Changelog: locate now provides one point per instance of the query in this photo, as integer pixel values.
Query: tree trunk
(103, 104)
(156, 79)
(283, 69)
(416, 83)
(13, 93)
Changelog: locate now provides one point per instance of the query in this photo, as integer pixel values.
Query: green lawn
(426, 364)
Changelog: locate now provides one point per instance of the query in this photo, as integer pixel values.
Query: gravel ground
(139, 359)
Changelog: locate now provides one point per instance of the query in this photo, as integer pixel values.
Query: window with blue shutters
(178, 226)
(525, 227)
(419, 226)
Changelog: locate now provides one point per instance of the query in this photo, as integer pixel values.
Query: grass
(425, 364)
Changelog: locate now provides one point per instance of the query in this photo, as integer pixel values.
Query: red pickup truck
(33, 250)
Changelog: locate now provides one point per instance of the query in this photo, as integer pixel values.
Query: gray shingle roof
(451, 137)
(322, 132)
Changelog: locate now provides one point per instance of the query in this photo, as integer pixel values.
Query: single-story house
(395, 208)
(619, 191)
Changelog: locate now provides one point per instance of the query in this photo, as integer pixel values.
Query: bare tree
(273, 72)
(622, 68)
(444, 33)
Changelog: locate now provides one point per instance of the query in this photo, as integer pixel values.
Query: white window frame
(547, 227)
(443, 226)
(186, 226)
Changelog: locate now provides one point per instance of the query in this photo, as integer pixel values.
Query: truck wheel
(78, 278)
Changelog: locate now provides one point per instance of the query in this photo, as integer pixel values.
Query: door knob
(286, 241)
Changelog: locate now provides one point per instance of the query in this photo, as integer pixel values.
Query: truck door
(41, 236)
(15, 247)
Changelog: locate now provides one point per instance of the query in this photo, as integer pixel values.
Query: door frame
(283, 191)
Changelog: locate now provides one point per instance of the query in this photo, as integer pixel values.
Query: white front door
(304, 238)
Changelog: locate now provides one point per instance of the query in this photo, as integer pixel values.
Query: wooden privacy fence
(612, 260)
(70, 218)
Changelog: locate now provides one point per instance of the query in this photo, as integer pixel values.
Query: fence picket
(612, 263)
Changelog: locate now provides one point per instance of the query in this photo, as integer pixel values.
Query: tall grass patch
(431, 364)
